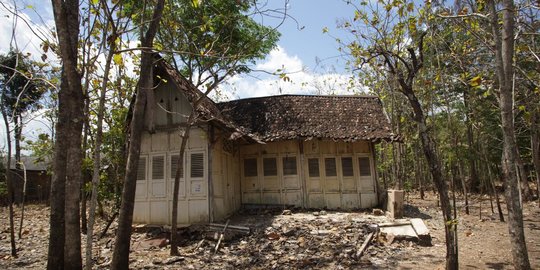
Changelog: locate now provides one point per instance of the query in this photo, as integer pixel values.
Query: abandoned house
(38, 181)
(290, 150)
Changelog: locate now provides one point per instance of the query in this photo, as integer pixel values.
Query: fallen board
(422, 231)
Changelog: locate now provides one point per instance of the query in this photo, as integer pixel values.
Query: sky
(310, 56)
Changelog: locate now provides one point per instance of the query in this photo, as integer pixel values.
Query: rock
(378, 212)
(288, 231)
(174, 260)
(273, 236)
(322, 213)
(316, 214)
(286, 212)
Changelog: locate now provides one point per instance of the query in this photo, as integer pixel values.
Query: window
(158, 167)
(270, 166)
(174, 166)
(330, 167)
(250, 167)
(313, 167)
(197, 165)
(289, 166)
(141, 169)
(347, 166)
(365, 166)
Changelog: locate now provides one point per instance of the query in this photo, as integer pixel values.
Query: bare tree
(145, 85)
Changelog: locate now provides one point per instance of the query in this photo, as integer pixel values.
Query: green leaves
(118, 60)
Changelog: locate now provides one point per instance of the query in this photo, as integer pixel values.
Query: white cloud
(300, 80)
(25, 33)
(278, 59)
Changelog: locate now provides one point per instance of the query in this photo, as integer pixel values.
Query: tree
(22, 93)
(66, 181)
(389, 34)
(215, 40)
(504, 54)
(109, 41)
(145, 85)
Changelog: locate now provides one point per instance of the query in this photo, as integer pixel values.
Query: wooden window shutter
(270, 166)
(313, 167)
(347, 166)
(197, 165)
(289, 166)
(141, 169)
(158, 167)
(330, 167)
(365, 166)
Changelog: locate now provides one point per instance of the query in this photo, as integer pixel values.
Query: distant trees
(19, 94)
(475, 78)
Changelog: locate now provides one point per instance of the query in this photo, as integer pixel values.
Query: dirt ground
(301, 240)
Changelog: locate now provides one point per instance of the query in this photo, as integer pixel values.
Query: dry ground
(300, 240)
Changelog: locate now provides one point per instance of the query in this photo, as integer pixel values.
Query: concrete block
(395, 203)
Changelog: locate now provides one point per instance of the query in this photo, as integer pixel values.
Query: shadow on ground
(412, 211)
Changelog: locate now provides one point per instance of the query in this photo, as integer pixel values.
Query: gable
(172, 106)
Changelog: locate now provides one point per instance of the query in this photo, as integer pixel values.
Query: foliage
(21, 91)
(214, 39)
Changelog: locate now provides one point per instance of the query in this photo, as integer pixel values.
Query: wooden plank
(364, 245)
(419, 226)
(422, 231)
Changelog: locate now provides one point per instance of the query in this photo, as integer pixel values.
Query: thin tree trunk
(526, 194)
(504, 52)
(9, 180)
(97, 160)
(535, 146)
(473, 175)
(491, 180)
(123, 235)
(180, 166)
(23, 200)
(464, 186)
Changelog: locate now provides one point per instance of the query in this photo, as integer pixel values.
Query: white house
(291, 150)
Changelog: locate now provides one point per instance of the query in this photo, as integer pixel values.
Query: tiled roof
(347, 118)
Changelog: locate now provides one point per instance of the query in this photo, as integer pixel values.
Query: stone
(395, 203)
(286, 212)
(378, 212)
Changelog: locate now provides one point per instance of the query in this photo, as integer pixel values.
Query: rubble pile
(299, 240)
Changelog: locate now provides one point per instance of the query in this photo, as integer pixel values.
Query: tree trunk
(526, 194)
(65, 186)
(473, 175)
(535, 146)
(55, 259)
(504, 52)
(97, 160)
(434, 165)
(123, 235)
(179, 166)
(9, 180)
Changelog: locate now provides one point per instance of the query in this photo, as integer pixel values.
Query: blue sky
(310, 42)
